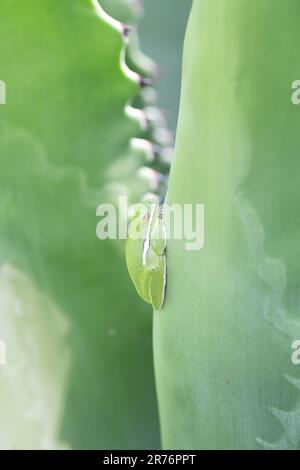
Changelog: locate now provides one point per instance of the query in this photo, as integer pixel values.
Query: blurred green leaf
(64, 149)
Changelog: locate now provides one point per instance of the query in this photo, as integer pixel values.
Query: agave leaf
(64, 149)
(223, 341)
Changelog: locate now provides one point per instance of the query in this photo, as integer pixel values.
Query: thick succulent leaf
(129, 12)
(64, 149)
(223, 341)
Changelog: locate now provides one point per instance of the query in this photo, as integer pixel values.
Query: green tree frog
(146, 254)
